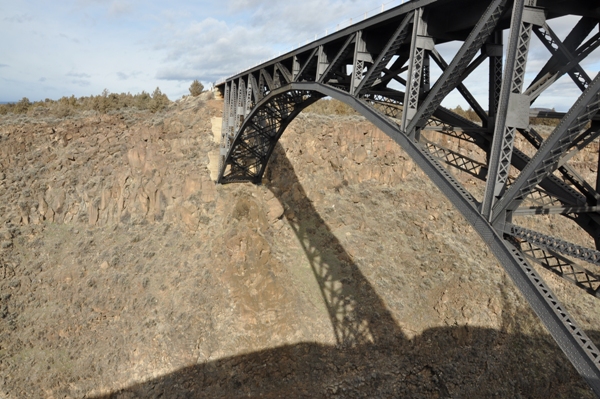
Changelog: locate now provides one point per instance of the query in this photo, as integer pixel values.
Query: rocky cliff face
(126, 272)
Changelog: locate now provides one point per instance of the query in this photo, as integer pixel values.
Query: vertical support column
(295, 68)
(240, 112)
(261, 87)
(232, 111)
(426, 75)
(494, 50)
(596, 125)
(248, 102)
(276, 76)
(255, 92)
(420, 44)
(267, 82)
(227, 130)
(361, 57)
(322, 63)
(513, 108)
(224, 126)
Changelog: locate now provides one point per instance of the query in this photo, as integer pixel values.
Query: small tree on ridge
(196, 88)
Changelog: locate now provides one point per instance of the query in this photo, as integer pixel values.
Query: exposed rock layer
(125, 272)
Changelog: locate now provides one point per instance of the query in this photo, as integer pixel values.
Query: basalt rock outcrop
(126, 272)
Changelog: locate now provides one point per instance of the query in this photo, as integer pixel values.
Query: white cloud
(130, 75)
(83, 46)
(78, 75)
(294, 22)
(66, 37)
(112, 8)
(209, 49)
(19, 18)
(80, 79)
(118, 8)
(255, 30)
(81, 82)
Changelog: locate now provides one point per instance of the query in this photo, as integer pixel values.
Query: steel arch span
(382, 68)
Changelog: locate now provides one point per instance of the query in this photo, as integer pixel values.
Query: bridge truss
(382, 68)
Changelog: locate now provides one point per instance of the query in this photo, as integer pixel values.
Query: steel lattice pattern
(519, 174)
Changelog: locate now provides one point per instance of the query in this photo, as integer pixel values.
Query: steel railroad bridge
(381, 67)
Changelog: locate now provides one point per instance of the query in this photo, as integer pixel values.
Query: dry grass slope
(125, 272)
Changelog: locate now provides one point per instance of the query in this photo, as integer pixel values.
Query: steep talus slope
(125, 272)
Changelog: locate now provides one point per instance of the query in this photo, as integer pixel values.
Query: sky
(81, 47)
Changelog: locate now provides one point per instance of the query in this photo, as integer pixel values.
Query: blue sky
(80, 47)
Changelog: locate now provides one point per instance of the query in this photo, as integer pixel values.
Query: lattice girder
(381, 70)
(256, 139)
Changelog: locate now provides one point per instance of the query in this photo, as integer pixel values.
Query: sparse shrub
(196, 88)
(107, 102)
(103, 103)
(142, 100)
(22, 106)
(62, 110)
(159, 101)
(64, 107)
(469, 114)
(6, 108)
(331, 107)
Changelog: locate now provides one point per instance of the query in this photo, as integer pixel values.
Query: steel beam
(552, 243)
(276, 77)
(285, 72)
(452, 75)
(555, 45)
(224, 129)
(240, 104)
(322, 63)
(362, 57)
(309, 61)
(455, 159)
(513, 110)
(574, 39)
(232, 111)
(338, 60)
(420, 44)
(563, 267)
(390, 49)
(267, 80)
(247, 101)
(547, 158)
(295, 68)
(256, 94)
(462, 89)
(557, 66)
(545, 181)
(262, 89)
(494, 50)
(572, 340)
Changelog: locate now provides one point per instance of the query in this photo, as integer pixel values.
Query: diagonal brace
(451, 76)
(338, 59)
(386, 55)
(546, 160)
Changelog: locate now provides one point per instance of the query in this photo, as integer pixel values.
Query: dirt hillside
(125, 272)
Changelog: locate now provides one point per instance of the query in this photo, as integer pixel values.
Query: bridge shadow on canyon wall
(372, 358)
